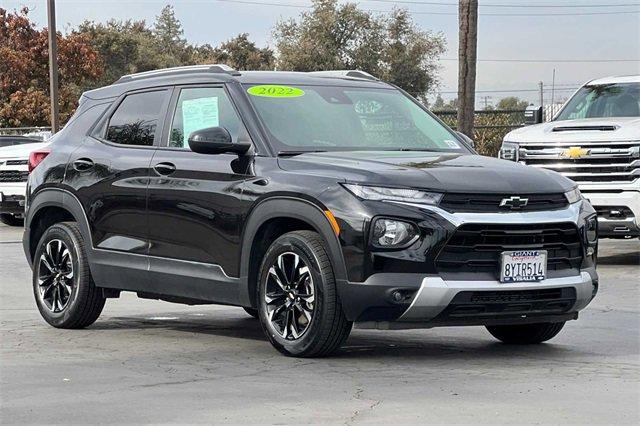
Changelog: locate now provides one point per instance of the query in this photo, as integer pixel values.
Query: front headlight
(391, 233)
(380, 193)
(509, 151)
(591, 230)
(573, 196)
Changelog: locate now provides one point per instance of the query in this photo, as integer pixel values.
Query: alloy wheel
(289, 296)
(55, 276)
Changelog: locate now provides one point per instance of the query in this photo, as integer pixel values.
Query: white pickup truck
(594, 140)
(14, 171)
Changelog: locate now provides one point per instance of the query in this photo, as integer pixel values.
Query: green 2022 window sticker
(275, 91)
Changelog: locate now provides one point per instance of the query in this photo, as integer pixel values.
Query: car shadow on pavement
(627, 258)
(361, 343)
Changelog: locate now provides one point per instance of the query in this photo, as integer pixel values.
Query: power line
(414, 12)
(433, 3)
(567, 89)
(548, 60)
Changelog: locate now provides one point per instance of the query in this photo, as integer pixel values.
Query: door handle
(164, 169)
(83, 164)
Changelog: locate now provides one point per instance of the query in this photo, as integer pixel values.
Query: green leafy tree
(341, 36)
(512, 102)
(242, 54)
(168, 33)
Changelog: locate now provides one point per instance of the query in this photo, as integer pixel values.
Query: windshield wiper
(293, 153)
(415, 149)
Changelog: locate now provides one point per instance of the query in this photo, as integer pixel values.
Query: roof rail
(214, 68)
(345, 73)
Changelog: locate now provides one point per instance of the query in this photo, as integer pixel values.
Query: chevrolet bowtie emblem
(514, 203)
(575, 152)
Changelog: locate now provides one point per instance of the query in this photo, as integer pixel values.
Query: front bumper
(618, 213)
(12, 204)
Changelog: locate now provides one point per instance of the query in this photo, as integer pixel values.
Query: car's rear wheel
(65, 293)
(11, 220)
(299, 308)
(526, 334)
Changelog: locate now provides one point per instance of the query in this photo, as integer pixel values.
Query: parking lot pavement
(149, 361)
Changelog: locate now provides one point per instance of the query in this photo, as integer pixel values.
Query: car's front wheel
(299, 308)
(526, 334)
(62, 285)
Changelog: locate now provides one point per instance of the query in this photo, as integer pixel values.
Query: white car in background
(595, 141)
(14, 171)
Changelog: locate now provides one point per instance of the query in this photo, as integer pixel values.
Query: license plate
(523, 265)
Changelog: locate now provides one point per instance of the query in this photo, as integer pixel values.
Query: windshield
(610, 100)
(330, 118)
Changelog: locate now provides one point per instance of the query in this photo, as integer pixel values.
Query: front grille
(596, 162)
(478, 304)
(491, 202)
(477, 247)
(13, 176)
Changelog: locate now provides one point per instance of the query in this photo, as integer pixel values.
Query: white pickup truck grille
(586, 162)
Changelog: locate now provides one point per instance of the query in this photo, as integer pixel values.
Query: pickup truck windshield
(603, 101)
(330, 118)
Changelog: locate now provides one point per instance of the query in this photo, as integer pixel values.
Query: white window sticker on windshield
(199, 114)
(452, 144)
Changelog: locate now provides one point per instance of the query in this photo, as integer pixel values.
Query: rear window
(135, 121)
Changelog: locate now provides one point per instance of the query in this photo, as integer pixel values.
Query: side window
(199, 108)
(136, 119)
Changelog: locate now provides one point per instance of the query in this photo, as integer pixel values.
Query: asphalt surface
(156, 362)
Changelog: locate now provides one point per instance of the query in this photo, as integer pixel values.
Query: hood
(431, 171)
(584, 130)
(20, 151)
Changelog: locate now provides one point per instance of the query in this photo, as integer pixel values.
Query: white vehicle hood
(627, 129)
(20, 151)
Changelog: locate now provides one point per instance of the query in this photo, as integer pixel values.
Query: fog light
(391, 233)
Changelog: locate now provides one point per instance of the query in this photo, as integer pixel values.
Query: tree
(335, 36)
(242, 54)
(440, 105)
(512, 102)
(24, 72)
(168, 33)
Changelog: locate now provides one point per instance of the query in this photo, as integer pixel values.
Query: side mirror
(467, 139)
(215, 140)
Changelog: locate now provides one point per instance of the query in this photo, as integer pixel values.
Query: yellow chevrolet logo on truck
(575, 152)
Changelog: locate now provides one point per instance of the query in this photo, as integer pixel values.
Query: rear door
(109, 174)
(195, 200)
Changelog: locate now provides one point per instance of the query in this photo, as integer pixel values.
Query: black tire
(526, 334)
(11, 220)
(252, 312)
(328, 327)
(85, 301)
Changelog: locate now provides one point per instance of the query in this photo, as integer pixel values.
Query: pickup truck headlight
(573, 196)
(509, 151)
(391, 233)
(380, 193)
(591, 229)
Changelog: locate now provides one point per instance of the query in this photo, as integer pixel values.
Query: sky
(546, 42)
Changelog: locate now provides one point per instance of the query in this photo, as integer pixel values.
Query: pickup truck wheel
(526, 334)
(299, 308)
(11, 220)
(62, 285)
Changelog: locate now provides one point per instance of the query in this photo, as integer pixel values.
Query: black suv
(312, 200)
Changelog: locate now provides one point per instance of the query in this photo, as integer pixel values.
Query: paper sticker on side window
(199, 114)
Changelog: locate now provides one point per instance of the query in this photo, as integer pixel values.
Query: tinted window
(200, 108)
(136, 119)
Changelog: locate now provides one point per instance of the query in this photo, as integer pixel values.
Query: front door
(195, 201)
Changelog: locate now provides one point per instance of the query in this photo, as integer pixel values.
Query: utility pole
(53, 65)
(467, 46)
(541, 88)
(486, 101)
